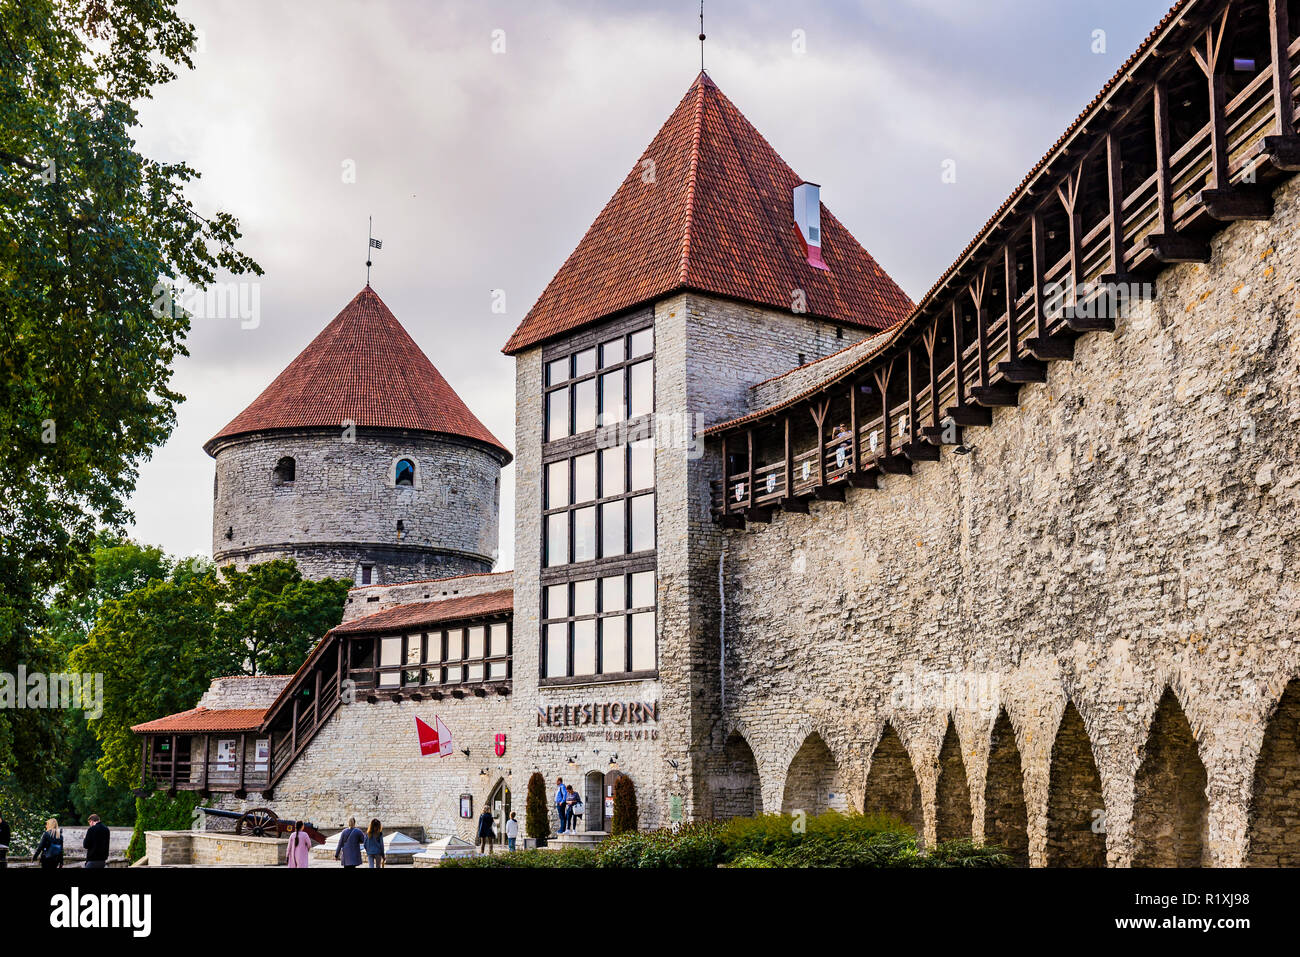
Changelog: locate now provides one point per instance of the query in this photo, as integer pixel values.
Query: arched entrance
(1076, 818)
(499, 802)
(1170, 810)
(1275, 797)
(593, 801)
(733, 785)
(812, 784)
(892, 787)
(952, 813)
(1006, 820)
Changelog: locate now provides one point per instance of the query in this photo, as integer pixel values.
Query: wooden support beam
(789, 466)
(931, 337)
(750, 479)
(243, 763)
(855, 447)
(1013, 296)
(819, 411)
(1279, 45)
(1068, 195)
(1023, 370)
(829, 493)
(1164, 150)
(207, 757)
(293, 734)
(889, 461)
(1115, 200)
(172, 786)
(958, 359)
(791, 504)
(1038, 257)
(970, 415)
(726, 476)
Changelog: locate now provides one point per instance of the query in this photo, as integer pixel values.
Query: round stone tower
(360, 462)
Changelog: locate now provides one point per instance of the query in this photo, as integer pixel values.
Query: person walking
(571, 801)
(350, 842)
(512, 831)
(50, 850)
(375, 843)
(486, 836)
(299, 852)
(4, 842)
(561, 809)
(96, 843)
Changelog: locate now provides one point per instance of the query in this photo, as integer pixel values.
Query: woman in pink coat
(299, 846)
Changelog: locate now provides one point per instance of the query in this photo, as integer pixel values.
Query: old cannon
(262, 822)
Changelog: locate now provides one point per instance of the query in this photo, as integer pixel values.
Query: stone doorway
(1006, 820)
(1076, 815)
(892, 787)
(1170, 810)
(593, 801)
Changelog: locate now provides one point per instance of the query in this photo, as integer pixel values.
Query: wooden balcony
(1121, 197)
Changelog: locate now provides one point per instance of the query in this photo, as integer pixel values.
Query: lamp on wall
(465, 751)
(613, 762)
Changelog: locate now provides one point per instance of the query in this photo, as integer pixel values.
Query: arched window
(404, 474)
(285, 470)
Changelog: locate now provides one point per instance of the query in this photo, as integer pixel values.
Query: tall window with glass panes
(598, 527)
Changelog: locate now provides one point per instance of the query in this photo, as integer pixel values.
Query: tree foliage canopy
(89, 227)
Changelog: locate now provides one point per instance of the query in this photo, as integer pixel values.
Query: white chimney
(808, 217)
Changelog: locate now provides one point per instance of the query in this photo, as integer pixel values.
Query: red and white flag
(435, 740)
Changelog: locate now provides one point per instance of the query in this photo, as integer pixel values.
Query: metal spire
(371, 243)
(701, 36)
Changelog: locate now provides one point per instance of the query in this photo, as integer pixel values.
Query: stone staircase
(588, 839)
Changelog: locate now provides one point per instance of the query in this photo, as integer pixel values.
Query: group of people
(568, 805)
(352, 841)
(49, 851)
(487, 834)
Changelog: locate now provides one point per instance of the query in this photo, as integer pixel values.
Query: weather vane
(372, 244)
(701, 36)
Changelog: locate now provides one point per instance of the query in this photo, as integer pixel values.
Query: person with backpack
(375, 843)
(50, 850)
(350, 842)
(573, 805)
(299, 852)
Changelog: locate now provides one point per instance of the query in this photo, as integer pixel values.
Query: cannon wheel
(259, 822)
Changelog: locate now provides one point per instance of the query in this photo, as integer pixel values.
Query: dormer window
(404, 473)
(285, 471)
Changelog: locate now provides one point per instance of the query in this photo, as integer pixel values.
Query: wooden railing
(1248, 119)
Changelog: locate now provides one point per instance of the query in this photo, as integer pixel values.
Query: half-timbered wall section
(1192, 134)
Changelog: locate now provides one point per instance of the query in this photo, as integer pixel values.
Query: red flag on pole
(435, 740)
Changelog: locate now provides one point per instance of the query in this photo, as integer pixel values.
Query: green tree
(89, 229)
(160, 645)
(537, 820)
(277, 614)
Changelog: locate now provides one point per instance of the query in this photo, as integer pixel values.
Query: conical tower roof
(363, 367)
(708, 207)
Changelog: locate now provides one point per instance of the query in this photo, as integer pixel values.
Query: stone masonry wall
(368, 600)
(1130, 527)
(343, 507)
(243, 691)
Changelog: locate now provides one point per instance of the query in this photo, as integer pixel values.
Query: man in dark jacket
(4, 841)
(350, 841)
(486, 836)
(96, 843)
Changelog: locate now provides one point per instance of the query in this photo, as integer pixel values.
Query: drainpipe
(722, 628)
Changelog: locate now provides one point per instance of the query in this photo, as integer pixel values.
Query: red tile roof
(716, 218)
(363, 367)
(420, 614)
(205, 719)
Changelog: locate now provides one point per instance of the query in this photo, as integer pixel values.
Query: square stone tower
(713, 267)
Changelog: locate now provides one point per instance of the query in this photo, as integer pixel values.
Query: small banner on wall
(435, 740)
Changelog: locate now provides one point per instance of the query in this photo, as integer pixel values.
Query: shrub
(625, 816)
(772, 832)
(694, 845)
(537, 820)
(158, 812)
(569, 857)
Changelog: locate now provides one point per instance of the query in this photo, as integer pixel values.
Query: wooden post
(1209, 64)
(1013, 296)
(1115, 192)
(882, 383)
(173, 773)
(1069, 197)
(789, 460)
(145, 742)
(293, 734)
(976, 290)
(931, 338)
(856, 446)
(726, 478)
(207, 757)
(243, 762)
(338, 677)
(1164, 185)
(315, 701)
(913, 425)
(749, 482)
(819, 417)
(958, 359)
(1279, 44)
(1038, 241)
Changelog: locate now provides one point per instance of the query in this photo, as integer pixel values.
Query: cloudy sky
(486, 135)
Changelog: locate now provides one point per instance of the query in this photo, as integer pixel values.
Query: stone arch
(813, 783)
(733, 782)
(1076, 835)
(952, 811)
(1170, 807)
(1006, 816)
(892, 787)
(1275, 795)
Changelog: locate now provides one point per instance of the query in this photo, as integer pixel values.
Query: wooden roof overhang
(1188, 38)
